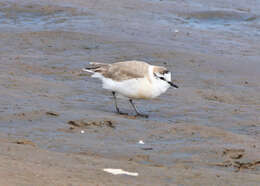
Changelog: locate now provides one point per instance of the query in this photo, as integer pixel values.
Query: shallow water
(212, 52)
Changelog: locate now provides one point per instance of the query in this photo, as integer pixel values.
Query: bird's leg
(137, 113)
(117, 109)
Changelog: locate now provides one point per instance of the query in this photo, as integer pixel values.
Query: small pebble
(82, 131)
(141, 142)
(147, 148)
(176, 31)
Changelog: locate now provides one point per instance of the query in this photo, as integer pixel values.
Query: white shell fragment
(120, 171)
(176, 31)
(141, 142)
(82, 131)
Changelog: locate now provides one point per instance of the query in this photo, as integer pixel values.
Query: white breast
(133, 88)
(159, 87)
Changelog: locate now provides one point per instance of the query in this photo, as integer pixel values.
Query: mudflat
(59, 127)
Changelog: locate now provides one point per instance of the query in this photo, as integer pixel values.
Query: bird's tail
(96, 67)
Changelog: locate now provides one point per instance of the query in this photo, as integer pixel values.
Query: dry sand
(207, 132)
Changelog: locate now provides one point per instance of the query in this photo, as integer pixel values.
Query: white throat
(158, 86)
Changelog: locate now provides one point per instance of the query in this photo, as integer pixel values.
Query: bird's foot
(122, 113)
(142, 115)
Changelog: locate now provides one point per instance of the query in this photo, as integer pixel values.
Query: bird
(132, 79)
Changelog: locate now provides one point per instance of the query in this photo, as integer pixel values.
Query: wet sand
(207, 132)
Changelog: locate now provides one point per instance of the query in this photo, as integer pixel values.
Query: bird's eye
(165, 72)
(162, 78)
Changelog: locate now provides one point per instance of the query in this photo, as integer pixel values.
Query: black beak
(172, 84)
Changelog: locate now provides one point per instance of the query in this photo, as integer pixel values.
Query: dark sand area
(207, 132)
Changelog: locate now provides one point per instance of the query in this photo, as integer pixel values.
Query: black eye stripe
(162, 78)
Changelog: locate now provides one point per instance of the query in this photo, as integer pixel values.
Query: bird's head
(161, 73)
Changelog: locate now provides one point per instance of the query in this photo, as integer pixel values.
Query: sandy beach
(59, 127)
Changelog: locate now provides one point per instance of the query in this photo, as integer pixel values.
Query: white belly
(139, 88)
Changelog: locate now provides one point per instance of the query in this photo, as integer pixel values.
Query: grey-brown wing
(127, 70)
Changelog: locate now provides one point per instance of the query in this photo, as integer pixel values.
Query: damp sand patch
(85, 123)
